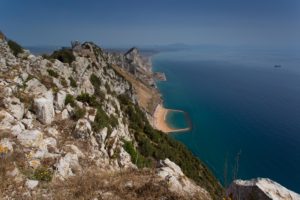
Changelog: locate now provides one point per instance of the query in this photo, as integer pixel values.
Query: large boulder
(30, 138)
(44, 108)
(259, 189)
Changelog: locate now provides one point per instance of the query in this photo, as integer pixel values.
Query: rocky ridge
(67, 118)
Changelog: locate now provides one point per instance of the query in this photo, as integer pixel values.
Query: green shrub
(113, 121)
(96, 82)
(52, 73)
(136, 157)
(43, 174)
(101, 120)
(15, 47)
(86, 98)
(70, 100)
(72, 82)
(64, 55)
(79, 113)
(107, 87)
(63, 82)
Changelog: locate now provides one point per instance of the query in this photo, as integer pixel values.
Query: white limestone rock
(35, 87)
(87, 86)
(60, 99)
(65, 114)
(30, 138)
(15, 107)
(53, 132)
(83, 129)
(44, 108)
(24, 76)
(31, 184)
(259, 189)
(177, 181)
(101, 136)
(6, 120)
(27, 123)
(67, 165)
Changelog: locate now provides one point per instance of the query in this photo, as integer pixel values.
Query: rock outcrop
(178, 182)
(259, 189)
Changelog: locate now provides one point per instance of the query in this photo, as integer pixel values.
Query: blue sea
(245, 113)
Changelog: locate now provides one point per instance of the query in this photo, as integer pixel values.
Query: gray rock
(60, 99)
(35, 87)
(44, 108)
(15, 107)
(30, 138)
(6, 120)
(66, 164)
(177, 181)
(259, 189)
(82, 129)
(31, 184)
(65, 114)
(17, 128)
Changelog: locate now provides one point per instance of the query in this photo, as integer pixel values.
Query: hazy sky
(141, 22)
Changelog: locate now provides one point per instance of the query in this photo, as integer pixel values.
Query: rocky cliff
(72, 127)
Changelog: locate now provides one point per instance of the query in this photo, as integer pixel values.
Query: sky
(120, 23)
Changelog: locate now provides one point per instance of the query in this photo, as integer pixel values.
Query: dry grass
(65, 128)
(25, 98)
(8, 161)
(135, 185)
(2, 96)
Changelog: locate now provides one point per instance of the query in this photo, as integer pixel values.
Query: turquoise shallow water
(178, 120)
(237, 103)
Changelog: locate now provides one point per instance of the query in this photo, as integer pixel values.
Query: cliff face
(134, 63)
(71, 128)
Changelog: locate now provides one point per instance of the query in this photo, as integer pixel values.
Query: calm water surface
(238, 103)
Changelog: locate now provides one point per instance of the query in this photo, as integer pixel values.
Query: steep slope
(71, 116)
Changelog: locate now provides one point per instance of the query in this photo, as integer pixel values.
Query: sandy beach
(160, 120)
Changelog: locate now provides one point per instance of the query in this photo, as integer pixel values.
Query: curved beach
(160, 122)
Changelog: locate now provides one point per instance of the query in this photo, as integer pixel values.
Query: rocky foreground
(71, 128)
